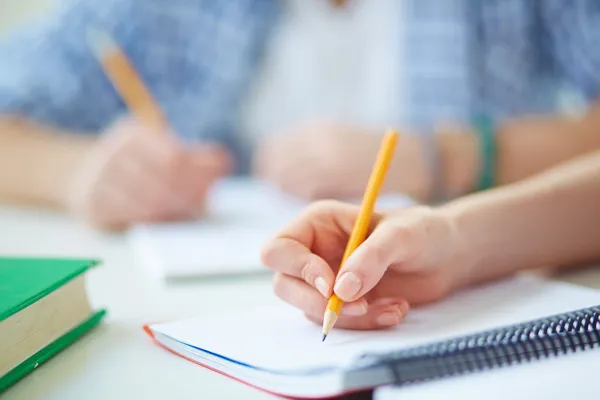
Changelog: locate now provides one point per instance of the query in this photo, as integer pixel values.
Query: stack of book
(44, 308)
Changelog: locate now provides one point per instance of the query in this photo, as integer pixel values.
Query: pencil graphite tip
(324, 337)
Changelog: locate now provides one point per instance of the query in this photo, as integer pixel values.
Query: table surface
(117, 360)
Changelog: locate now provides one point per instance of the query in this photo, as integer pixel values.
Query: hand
(413, 256)
(134, 175)
(333, 161)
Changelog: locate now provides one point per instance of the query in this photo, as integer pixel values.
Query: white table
(117, 360)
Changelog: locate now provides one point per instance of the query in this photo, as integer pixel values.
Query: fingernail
(389, 318)
(348, 285)
(354, 309)
(322, 286)
(404, 308)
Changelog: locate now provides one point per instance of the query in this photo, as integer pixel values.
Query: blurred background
(15, 12)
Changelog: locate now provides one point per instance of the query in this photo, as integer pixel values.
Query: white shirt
(329, 64)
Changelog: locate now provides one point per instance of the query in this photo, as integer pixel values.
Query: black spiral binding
(536, 339)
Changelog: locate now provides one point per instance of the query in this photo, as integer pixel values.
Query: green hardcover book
(44, 308)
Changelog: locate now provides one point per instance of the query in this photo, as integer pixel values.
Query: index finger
(291, 257)
(306, 246)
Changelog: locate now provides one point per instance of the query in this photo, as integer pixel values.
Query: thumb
(390, 243)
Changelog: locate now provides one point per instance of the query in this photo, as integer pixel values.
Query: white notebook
(277, 350)
(242, 215)
(573, 376)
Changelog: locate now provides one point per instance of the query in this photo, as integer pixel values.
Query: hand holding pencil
(137, 171)
(389, 261)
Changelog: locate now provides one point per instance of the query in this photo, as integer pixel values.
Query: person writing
(418, 255)
(296, 93)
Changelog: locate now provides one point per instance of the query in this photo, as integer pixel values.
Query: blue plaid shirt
(502, 57)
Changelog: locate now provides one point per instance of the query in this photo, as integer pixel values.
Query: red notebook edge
(148, 330)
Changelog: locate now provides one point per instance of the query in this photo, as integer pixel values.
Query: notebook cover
(23, 281)
(151, 334)
(49, 351)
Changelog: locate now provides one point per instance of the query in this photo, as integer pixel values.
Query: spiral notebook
(573, 375)
(277, 350)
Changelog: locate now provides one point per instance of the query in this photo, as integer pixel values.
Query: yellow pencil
(126, 81)
(363, 220)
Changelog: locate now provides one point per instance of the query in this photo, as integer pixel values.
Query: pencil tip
(324, 337)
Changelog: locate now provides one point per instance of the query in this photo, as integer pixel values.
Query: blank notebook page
(279, 339)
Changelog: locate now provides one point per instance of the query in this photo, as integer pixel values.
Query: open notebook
(242, 215)
(277, 350)
(572, 375)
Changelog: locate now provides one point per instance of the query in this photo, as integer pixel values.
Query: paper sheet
(243, 215)
(280, 339)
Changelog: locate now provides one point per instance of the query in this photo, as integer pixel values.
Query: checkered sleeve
(48, 73)
(574, 29)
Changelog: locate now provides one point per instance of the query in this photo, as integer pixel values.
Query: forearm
(551, 220)
(36, 163)
(525, 147)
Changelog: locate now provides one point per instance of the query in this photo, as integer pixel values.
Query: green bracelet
(484, 126)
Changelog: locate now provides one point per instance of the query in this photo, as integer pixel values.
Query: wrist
(461, 258)
(483, 247)
(409, 172)
(459, 160)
